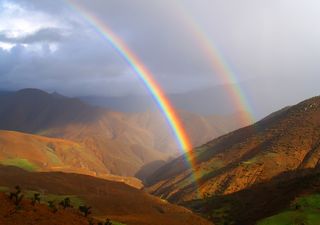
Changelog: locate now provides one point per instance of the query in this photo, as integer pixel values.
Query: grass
(19, 162)
(53, 158)
(116, 223)
(4, 189)
(304, 210)
(75, 200)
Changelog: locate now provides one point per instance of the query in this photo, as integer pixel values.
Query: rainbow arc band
(145, 76)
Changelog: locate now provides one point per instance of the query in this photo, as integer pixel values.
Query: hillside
(289, 198)
(123, 142)
(38, 214)
(288, 140)
(38, 153)
(113, 200)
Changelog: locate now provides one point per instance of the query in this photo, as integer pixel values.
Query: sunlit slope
(286, 140)
(37, 153)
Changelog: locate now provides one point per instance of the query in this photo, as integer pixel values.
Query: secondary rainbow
(145, 76)
(219, 65)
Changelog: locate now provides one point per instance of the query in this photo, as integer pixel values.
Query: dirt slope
(36, 215)
(38, 153)
(109, 199)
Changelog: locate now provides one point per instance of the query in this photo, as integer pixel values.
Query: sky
(271, 46)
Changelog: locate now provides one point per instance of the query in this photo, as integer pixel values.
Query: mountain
(123, 142)
(195, 101)
(108, 199)
(288, 140)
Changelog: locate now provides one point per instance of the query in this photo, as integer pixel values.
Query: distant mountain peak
(57, 95)
(31, 91)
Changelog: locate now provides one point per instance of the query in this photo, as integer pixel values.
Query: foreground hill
(122, 142)
(38, 214)
(109, 199)
(288, 140)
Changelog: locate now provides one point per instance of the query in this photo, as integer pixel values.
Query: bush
(86, 210)
(17, 196)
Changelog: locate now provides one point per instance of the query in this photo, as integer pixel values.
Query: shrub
(35, 198)
(66, 203)
(86, 210)
(52, 206)
(17, 196)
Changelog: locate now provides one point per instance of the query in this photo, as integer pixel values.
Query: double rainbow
(218, 64)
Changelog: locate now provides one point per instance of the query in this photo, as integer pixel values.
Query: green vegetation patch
(4, 189)
(21, 163)
(75, 200)
(53, 158)
(116, 223)
(304, 210)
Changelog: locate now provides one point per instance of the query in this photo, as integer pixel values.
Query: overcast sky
(47, 44)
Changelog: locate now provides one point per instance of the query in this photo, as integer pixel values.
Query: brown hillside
(36, 215)
(261, 200)
(122, 142)
(38, 153)
(109, 199)
(285, 141)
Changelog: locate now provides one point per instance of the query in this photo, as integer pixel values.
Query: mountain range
(122, 142)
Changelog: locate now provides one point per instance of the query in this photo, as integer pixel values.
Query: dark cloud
(257, 40)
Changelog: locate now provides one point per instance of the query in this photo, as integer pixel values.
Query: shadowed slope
(109, 199)
(38, 214)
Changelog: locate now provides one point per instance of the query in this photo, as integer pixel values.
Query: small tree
(35, 198)
(86, 210)
(66, 203)
(17, 196)
(52, 206)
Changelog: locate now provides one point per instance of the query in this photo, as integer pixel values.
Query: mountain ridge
(286, 140)
(123, 142)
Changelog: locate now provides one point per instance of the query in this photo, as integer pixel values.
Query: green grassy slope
(304, 210)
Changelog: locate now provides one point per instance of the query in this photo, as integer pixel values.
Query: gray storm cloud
(268, 44)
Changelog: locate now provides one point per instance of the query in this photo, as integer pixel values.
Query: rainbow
(219, 65)
(145, 76)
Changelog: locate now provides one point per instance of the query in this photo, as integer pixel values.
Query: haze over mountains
(219, 99)
(122, 142)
